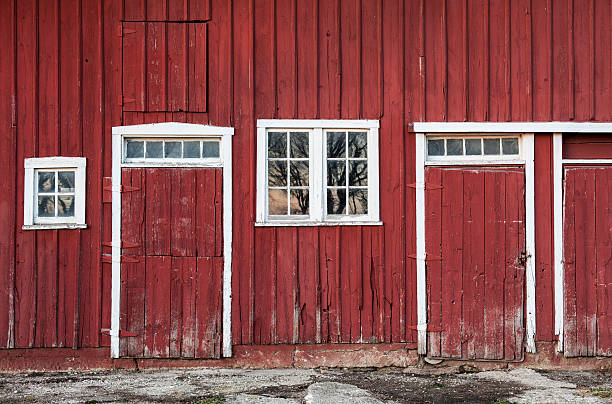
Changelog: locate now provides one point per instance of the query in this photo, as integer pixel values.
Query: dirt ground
(217, 386)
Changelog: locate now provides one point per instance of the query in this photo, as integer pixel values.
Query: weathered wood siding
(61, 79)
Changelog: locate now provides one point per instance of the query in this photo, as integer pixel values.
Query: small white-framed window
(317, 172)
(54, 193)
(476, 148)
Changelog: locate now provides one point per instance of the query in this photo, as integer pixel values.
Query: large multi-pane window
(316, 174)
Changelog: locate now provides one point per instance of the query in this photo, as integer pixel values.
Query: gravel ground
(311, 386)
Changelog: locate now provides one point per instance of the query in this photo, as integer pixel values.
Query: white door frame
(164, 130)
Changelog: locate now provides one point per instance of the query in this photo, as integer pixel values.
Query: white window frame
(317, 172)
(33, 165)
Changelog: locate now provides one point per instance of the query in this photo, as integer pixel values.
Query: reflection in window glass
(154, 149)
(454, 147)
(191, 150)
(336, 144)
(435, 147)
(210, 149)
(55, 191)
(336, 201)
(134, 149)
(65, 181)
(299, 145)
(277, 202)
(473, 147)
(299, 204)
(510, 145)
(173, 150)
(358, 144)
(46, 181)
(277, 144)
(358, 202)
(65, 205)
(491, 146)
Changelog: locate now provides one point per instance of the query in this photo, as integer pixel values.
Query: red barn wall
(399, 62)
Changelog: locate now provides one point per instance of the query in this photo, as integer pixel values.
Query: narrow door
(475, 265)
(172, 262)
(587, 236)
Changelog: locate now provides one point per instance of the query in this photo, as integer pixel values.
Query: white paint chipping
(558, 234)
(528, 155)
(420, 244)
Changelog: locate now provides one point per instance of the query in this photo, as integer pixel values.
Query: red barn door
(475, 243)
(587, 258)
(172, 263)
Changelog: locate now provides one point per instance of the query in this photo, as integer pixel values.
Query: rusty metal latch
(523, 257)
(122, 333)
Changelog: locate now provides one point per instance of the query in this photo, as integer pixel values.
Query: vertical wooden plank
(433, 243)
(602, 60)
(520, 59)
(499, 60)
(451, 240)
(368, 281)
(414, 58)
(135, 10)
(456, 31)
(494, 253)
(209, 307)
(218, 212)
(436, 60)
(175, 308)
(178, 81)
(371, 60)
(134, 66)
(197, 59)
(156, 10)
(134, 280)
(133, 211)
(350, 62)
(183, 209)
(473, 264)
(220, 57)
(584, 59)
(328, 60)
(478, 57)
(157, 306)
(205, 212)
(569, 259)
(379, 281)
(330, 282)
(308, 281)
(156, 83)
(264, 324)
(352, 282)
(158, 211)
(561, 70)
(306, 51)
(603, 220)
(177, 10)
(265, 57)
(199, 10)
(512, 304)
(542, 53)
(188, 340)
(286, 280)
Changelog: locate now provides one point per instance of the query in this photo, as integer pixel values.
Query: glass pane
(299, 202)
(277, 202)
(65, 205)
(46, 206)
(299, 144)
(277, 144)
(210, 149)
(277, 173)
(173, 150)
(510, 145)
(336, 173)
(336, 144)
(490, 146)
(299, 173)
(435, 147)
(65, 181)
(454, 147)
(46, 181)
(473, 147)
(134, 149)
(358, 202)
(154, 149)
(191, 150)
(358, 142)
(358, 173)
(336, 201)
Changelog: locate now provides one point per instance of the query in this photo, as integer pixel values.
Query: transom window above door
(317, 172)
(472, 148)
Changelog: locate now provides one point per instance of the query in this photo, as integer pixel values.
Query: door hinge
(108, 259)
(122, 188)
(122, 244)
(523, 257)
(426, 186)
(124, 31)
(122, 333)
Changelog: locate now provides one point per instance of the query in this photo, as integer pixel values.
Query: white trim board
(527, 140)
(172, 129)
(512, 127)
(558, 235)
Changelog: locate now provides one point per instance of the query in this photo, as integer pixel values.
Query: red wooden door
(475, 237)
(172, 263)
(587, 259)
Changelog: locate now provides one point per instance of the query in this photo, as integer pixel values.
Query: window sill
(54, 226)
(316, 224)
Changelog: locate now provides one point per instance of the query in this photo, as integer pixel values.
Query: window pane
(336, 144)
(46, 181)
(173, 150)
(134, 149)
(454, 147)
(336, 173)
(277, 144)
(358, 142)
(358, 202)
(299, 202)
(299, 144)
(191, 150)
(510, 145)
(210, 149)
(65, 205)
(336, 201)
(491, 146)
(435, 147)
(154, 149)
(65, 181)
(299, 173)
(46, 206)
(473, 147)
(277, 202)
(277, 173)
(358, 173)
